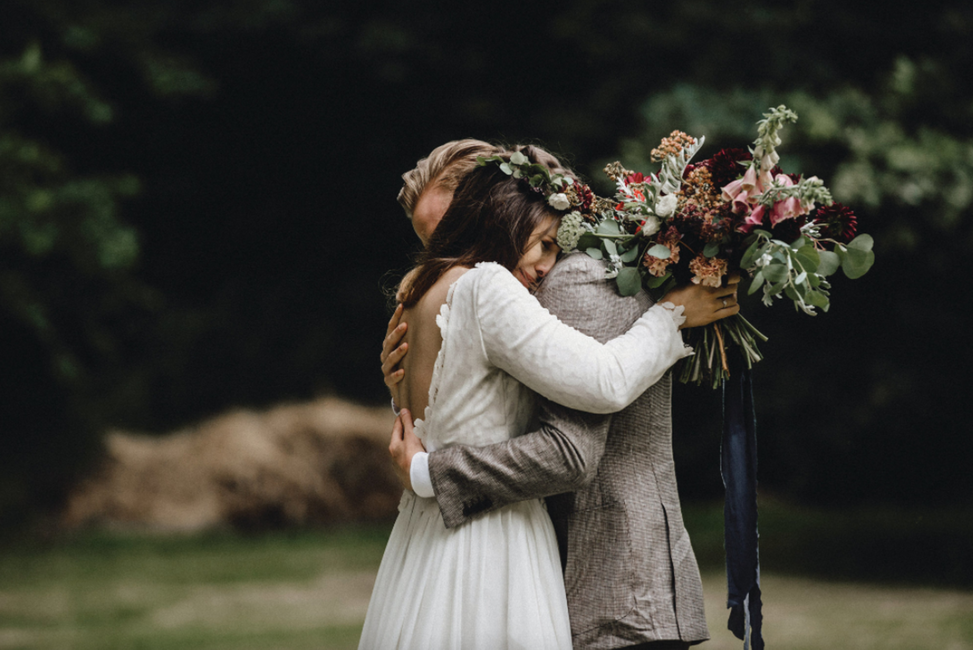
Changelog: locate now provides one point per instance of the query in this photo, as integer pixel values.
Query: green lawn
(310, 590)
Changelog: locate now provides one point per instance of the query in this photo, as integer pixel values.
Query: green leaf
(653, 282)
(629, 281)
(856, 262)
(711, 249)
(817, 299)
(808, 257)
(609, 247)
(829, 263)
(608, 227)
(594, 253)
(506, 168)
(775, 272)
(758, 281)
(518, 158)
(791, 293)
(660, 251)
(862, 242)
(589, 240)
(631, 254)
(667, 286)
(750, 255)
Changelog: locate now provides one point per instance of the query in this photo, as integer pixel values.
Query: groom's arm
(562, 455)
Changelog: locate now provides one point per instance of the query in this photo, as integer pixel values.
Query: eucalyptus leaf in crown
(736, 211)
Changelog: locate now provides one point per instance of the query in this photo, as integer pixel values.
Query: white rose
(651, 226)
(666, 205)
(559, 201)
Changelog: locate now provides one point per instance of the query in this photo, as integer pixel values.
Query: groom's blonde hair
(445, 166)
(490, 219)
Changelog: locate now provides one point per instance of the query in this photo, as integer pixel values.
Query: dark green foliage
(197, 204)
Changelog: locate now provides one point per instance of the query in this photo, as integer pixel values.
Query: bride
(479, 344)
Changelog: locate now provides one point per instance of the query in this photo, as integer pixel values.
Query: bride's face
(541, 253)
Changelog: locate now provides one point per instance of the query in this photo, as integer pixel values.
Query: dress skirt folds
(494, 584)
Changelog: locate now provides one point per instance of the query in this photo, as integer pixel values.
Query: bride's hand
(705, 305)
(392, 352)
(404, 446)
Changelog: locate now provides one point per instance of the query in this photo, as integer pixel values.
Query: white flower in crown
(559, 201)
(666, 205)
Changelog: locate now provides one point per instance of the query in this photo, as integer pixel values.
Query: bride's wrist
(675, 312)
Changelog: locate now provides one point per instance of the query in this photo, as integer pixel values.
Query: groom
(630, 573)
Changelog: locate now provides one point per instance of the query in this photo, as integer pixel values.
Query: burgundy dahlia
(837, 222)
(789, 229)
(724, 165)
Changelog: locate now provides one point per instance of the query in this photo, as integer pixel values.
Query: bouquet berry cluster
(736, 211)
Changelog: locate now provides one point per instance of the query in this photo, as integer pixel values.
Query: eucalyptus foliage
(799, 270)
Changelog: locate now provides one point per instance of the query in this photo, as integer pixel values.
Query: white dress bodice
(499, 343)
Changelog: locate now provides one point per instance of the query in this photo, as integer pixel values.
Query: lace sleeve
(564, 365)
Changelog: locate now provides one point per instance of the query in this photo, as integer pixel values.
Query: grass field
(310, 589)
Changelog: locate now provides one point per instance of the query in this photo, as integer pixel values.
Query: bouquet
(736, 211)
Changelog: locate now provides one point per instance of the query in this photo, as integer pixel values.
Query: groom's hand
(404, 446)
(392, 352)
(705, 305)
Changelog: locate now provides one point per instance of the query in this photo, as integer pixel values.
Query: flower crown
(562, 193)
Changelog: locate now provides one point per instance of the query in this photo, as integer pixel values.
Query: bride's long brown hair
(490, 219)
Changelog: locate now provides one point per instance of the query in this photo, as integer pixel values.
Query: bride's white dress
(495, 583)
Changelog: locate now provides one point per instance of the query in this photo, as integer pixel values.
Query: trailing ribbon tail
(739, 469)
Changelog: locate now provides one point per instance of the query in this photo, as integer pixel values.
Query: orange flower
(708, 272)
(658, 266)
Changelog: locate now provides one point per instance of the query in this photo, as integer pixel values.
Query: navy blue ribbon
(739, 468)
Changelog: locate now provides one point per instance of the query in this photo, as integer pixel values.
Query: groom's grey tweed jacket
(629, 568)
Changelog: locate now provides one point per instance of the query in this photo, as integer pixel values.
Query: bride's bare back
(424, 341)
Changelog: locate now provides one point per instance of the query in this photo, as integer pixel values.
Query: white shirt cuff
(419, 475)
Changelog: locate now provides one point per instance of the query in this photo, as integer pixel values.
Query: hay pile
(315, 463)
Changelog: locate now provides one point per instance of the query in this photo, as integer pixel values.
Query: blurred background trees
(197, 207)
